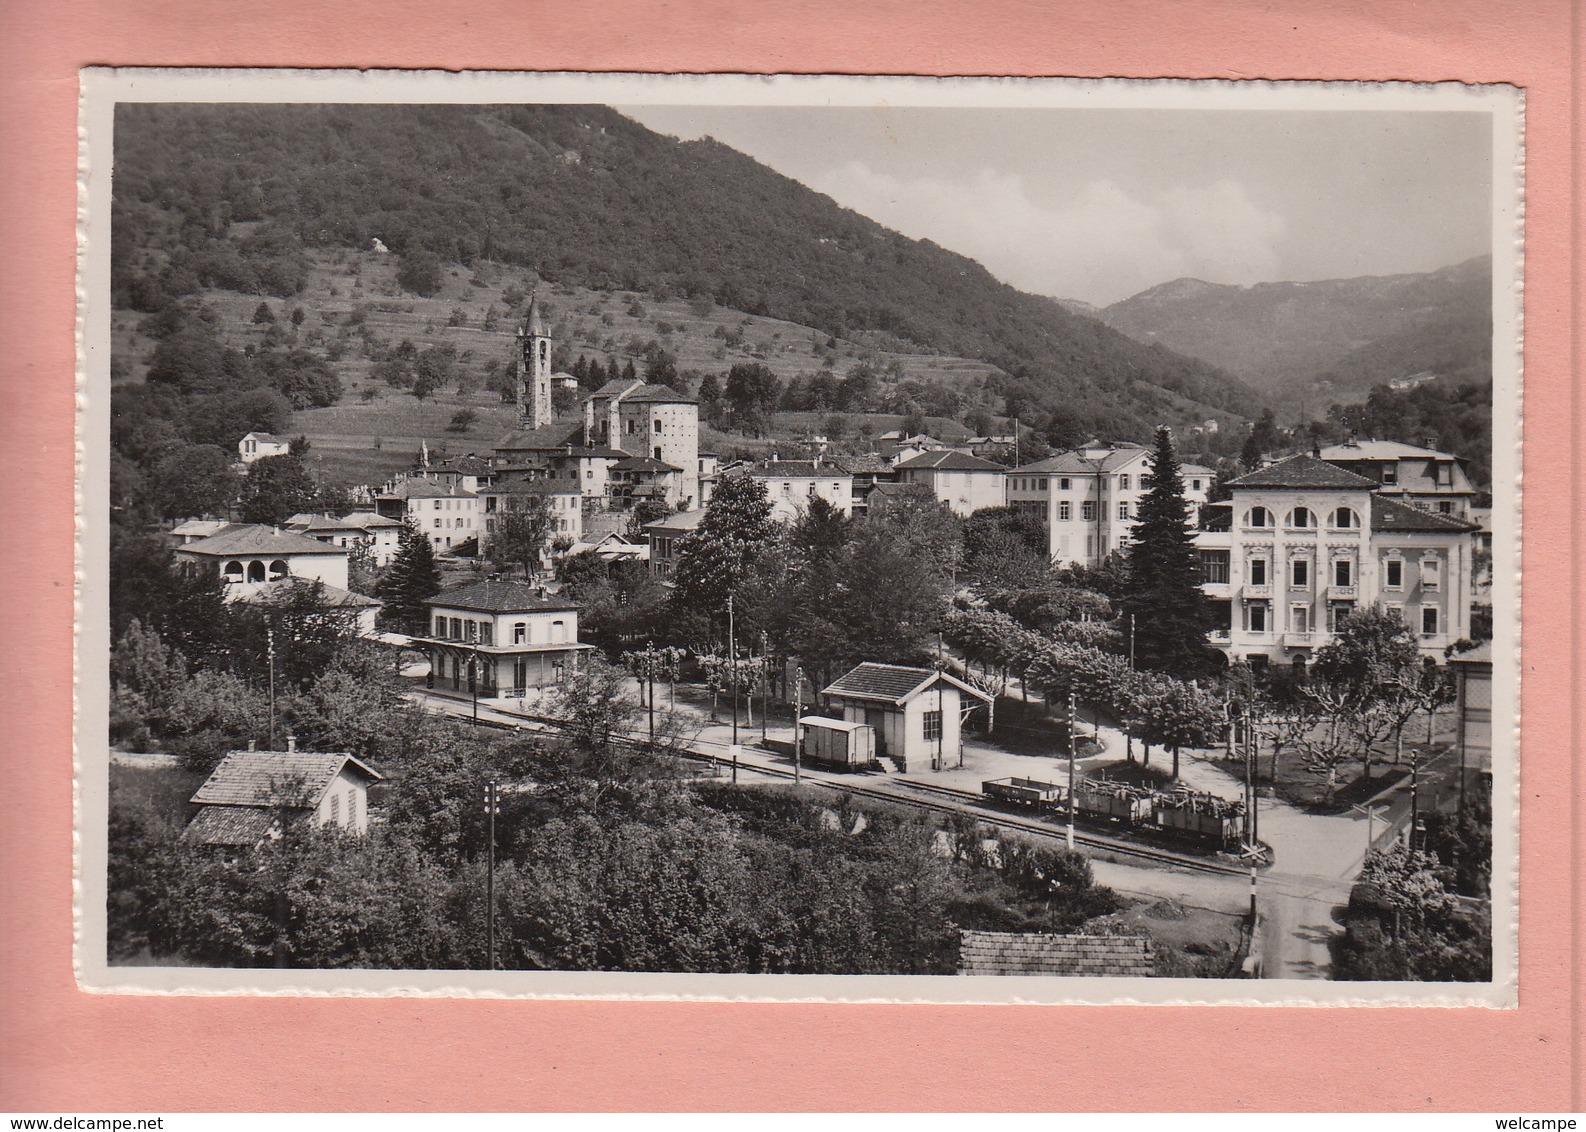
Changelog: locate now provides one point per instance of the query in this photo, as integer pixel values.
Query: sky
(1100, 204)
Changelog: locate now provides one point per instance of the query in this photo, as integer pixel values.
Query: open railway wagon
(1112, 801)
(1025, 792)
(1200, 816)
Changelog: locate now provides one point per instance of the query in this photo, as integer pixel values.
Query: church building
(625, 421)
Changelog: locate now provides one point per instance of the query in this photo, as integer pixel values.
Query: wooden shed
(838, 742)
(917, 713)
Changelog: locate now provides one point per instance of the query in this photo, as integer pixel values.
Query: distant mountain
(1333, 339)
(234, 196)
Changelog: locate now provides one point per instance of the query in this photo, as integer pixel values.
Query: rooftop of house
(1391, 515)
(797, 469)
(1481, 654)
(1087, 460)
(1381, 450)
(681, 521)
(632, 391)
(1301, 472)
(463, 465)
(949, 460)
(421, 488)
(294, 779)
(869, 463)
(368, 521)
(201, 528)
(557, 434)
(232, 825)
(530, 485)
(903, 491)
(283, 589)
(256, 539)
(269, 436)
(501, 597)
(1043, 953)
(891, 683)
(642, 464)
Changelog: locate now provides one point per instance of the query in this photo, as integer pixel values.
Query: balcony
(1251, 590)
(1342, 593)
(1294, 640)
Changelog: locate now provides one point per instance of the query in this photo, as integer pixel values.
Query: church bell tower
(534, 368)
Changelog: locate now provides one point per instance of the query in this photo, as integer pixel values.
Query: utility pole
(765, 683)
(732, 674)
(269, 650)
(473, 683)
(1072, 722)
(798, 712)
(490, 875)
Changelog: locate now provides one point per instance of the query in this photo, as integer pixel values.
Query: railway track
(946, 799)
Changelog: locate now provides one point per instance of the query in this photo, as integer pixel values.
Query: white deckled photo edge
(480, 474)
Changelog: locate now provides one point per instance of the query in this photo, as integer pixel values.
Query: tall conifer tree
(412, 578)
(1163, 592)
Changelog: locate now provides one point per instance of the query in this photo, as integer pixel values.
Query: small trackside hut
(917, 713)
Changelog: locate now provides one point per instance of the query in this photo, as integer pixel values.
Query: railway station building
(917, 713)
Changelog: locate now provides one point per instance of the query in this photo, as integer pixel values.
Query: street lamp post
(1072, 722)
(798, 712)
(732, 675)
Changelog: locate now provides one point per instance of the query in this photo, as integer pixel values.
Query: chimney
(1316, 447)
(1431, 442)
(291, 744)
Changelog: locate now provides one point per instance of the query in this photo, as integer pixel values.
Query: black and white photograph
(617, 536)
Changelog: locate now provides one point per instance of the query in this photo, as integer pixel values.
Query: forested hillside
(236, 198)
(1311, 342)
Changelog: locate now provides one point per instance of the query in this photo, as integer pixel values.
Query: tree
(521, 533)
(263, 314)
(193, 481)
(276, 488)
(410, 580)
(752, 393)
(714, 559)
(1163, 592)
(462, 420)
(1371, 670)
(420, 272)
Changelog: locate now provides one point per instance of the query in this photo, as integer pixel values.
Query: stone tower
(534, 368)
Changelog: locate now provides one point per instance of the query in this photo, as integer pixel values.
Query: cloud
(1102, 244)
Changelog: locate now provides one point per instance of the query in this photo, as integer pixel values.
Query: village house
(1422, 477)
(1087, 499)
(1303, 542)
(791, 484)
(966, 483)
(254, 796)
(642, 479)
(382, 536)
(1048, 953)
(917, 713)
(249, 555)
(563, 503)
(500, 639)
(614, 546)
(258, 445)
(867, 470)
(666, 536)
(446, 514)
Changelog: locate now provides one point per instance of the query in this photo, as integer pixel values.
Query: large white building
(791, 484)
(965, 482)
(1087, 499)
(501, 639)
(1303, 542)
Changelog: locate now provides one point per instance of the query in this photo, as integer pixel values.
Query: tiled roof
(275, 778)
(682, 521)
(557, 434)
(1380, 450)
(1391, 515)
(797, 469)
(267, 436)
(531, 485)
(230, 825)
(252, 538)
(659, 394)
(464, 465)
(499, 597)
(1076, 463)
(267, 593)
(642, 464)
(905, 490)
(868, 463)
(949, 460)
(426, 489)
(1041, 953)
(894, 683)
(202, 528)
(368, 521)
(1300, 472)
